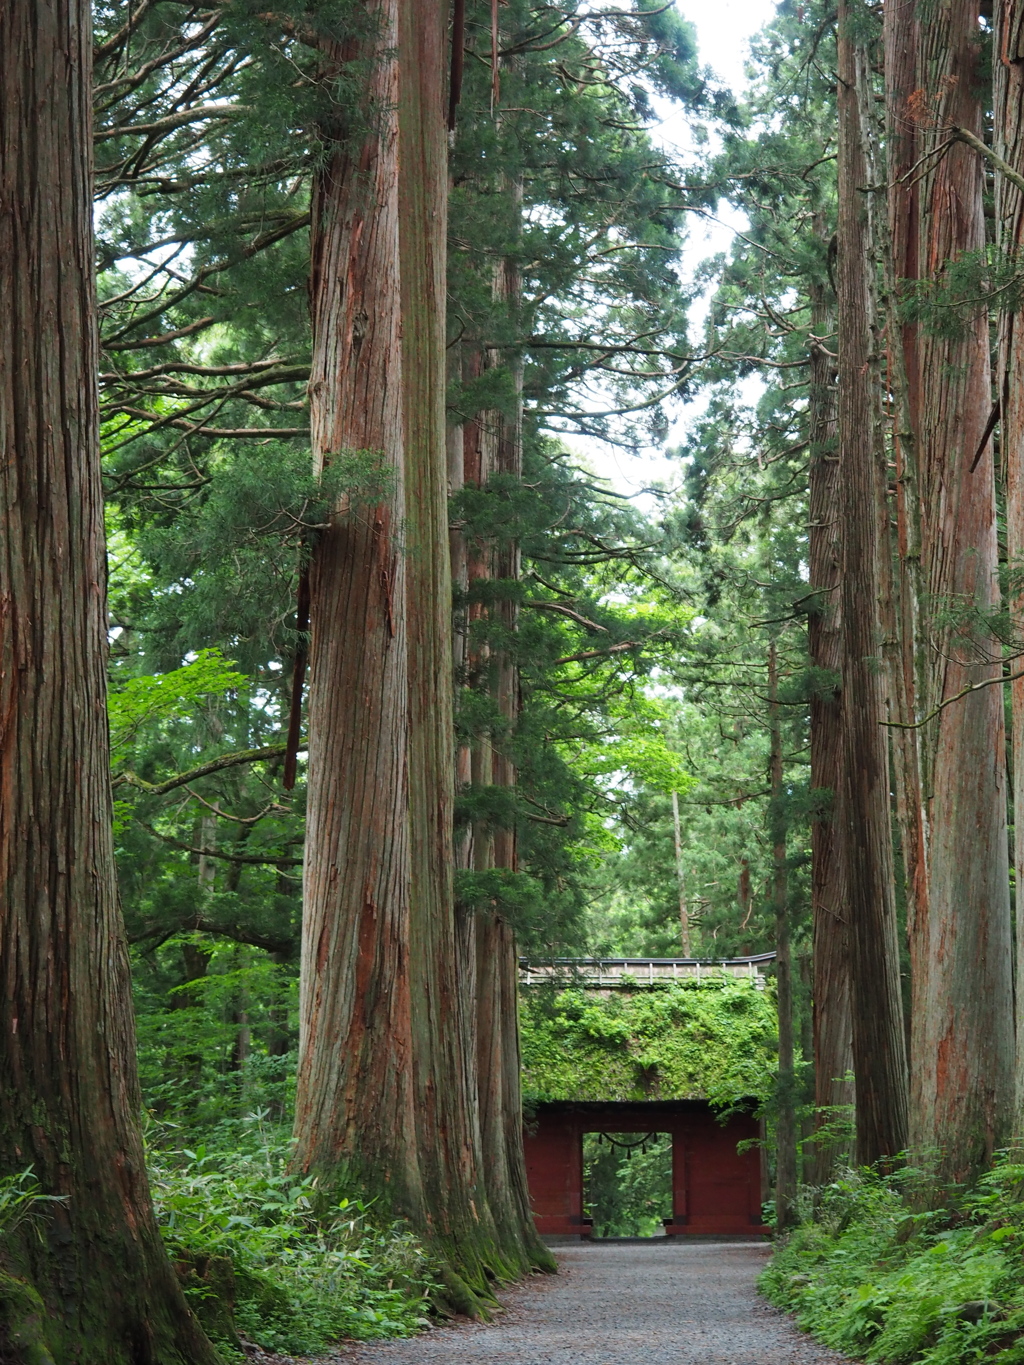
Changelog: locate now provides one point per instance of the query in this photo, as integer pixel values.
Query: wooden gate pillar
(554, 1173)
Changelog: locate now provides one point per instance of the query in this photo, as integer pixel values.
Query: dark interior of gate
(716, 1182)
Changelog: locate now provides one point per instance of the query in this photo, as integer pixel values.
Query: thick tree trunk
(90, 1282)
(830, 991)
(354, 1105)
(961, 1025)
(879, 1044)
(491, 443)
(448, 1135)
(1008, 124)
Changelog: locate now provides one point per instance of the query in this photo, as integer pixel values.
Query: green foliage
(627, 1183)
(516, 896)
(714, 1041)
(149, 699)
(879, 1281)
(220, 1043)
(967, 288)
(234, 551)
(22, 1201)
(268, 1255)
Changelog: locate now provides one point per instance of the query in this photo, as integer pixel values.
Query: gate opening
(627, 1183)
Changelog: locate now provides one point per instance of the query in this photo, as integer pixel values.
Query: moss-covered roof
(669, 1043)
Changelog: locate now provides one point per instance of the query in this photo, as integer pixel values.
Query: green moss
(22, 1319)
(679, 1041)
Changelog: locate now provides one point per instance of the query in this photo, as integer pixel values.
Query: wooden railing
(595, 973)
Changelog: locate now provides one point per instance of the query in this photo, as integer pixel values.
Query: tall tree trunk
(785, 1117)
(470, 565)
(448, 1135)
(498, 1063)
(879, 1044)
(961, 1020)
(490, 443)
(89, 1282)
(354, 1104)
(1008, 125)
(830, 990)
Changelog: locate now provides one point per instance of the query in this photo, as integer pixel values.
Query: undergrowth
(268, 1256)
(870, 1276)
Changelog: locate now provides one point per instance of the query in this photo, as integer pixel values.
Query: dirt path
(625, 1304)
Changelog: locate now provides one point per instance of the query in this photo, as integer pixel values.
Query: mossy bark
(22, 1323)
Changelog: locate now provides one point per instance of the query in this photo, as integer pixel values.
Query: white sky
(724, 29)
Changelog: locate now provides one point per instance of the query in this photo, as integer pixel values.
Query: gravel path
(663, 1303)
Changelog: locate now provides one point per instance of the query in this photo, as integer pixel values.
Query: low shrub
(269, 1256)
(871, 1277)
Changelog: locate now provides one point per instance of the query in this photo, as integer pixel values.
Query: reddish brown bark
(1008, 127)
(954, 782)
(879, 1043)
(69, 1096)
(486, 444)
(830, 992)
(498, 1070)
(445, 1098)
(483, 445)
(387, 1071)
(354, 1105)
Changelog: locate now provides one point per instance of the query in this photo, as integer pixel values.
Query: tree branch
(599, 653)
(1003, 167)
(959, 696)
(216, 765)
(565, 611)
(178, 120)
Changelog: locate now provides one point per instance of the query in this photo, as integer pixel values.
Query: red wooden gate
(715, 1189)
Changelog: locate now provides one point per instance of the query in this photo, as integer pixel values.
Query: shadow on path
(625, 1304)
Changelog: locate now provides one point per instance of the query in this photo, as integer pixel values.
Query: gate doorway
(627, 1183)
(716, 1167)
